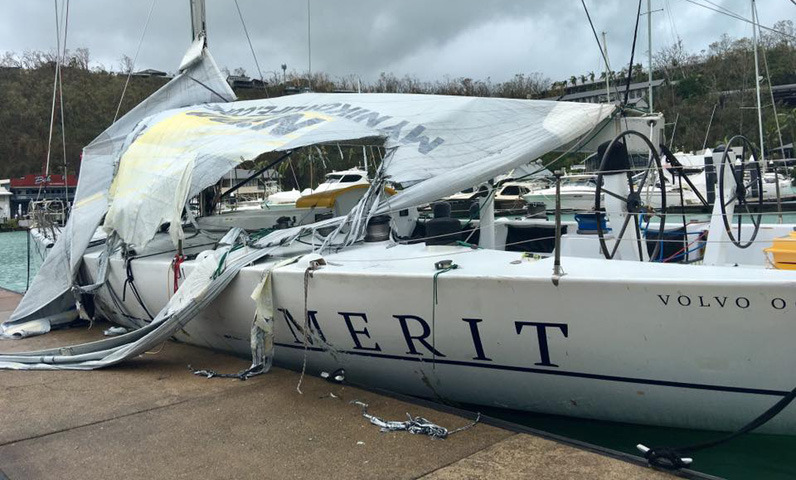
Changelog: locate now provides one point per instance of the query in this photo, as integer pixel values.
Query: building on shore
(594, 92)
(39, 187)
(5, 201)
(255, 189)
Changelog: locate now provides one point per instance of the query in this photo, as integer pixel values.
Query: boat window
(333, 178)
(351, 178)
(510, 190)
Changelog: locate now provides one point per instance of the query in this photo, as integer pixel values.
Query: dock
(151, 418)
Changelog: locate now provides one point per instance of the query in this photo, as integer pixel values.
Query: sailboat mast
(649, 52)
(757, 85)
(607, 72)
(198, 26)
(309, 45)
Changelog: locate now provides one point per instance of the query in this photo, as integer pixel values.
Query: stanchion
(557, 271)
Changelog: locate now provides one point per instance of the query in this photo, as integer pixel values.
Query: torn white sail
(446, 143)
(164, 155)
(49, 294)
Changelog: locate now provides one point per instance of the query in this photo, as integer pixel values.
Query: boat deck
(152, 419)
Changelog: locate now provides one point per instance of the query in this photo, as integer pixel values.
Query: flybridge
(287, 120)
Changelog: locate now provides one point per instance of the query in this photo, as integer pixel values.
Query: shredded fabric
(262, 330)
(415, 425)
(250, 372)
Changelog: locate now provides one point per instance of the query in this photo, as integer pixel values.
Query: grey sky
(427, 39)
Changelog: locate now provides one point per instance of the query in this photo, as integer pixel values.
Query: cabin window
(351, 178)
(511, 190)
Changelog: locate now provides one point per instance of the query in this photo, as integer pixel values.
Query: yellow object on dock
(784, 252)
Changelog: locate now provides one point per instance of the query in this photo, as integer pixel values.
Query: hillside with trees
(717, 82)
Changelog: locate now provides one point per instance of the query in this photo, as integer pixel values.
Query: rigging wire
(602, 50)
(135, 58)
(776, 120)
(741, 18)
(61, 102)
(251, 47)
(54, 96)
(632, 53)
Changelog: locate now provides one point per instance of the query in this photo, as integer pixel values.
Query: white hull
(696, 347)
(570, 201)
(260, 218)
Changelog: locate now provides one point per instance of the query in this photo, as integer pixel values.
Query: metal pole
(309, 46)
(607, 72)
(557, 272)
(704, 144)
(649, 43)
(258, 173)
(27, 282)
(66, 195)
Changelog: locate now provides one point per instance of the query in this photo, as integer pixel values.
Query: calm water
(750, 456)
(13, 261)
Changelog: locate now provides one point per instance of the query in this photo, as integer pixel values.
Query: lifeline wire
(251, 47)
(741, 18)
(132, 67)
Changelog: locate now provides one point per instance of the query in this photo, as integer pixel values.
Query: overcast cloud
(428, 39)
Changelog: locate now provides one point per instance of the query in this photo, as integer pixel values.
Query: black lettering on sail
(664, 300)
(424, 145)
(372, 119)
(288, 124)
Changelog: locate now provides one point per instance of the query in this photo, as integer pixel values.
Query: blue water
(14, 263)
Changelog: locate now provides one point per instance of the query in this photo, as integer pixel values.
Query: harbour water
(750, 456)
(14, 261)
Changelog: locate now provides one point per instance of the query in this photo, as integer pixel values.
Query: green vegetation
(720, 77)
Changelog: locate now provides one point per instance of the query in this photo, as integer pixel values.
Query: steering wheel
(740, 191)
(635, 206)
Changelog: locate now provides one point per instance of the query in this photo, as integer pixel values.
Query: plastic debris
(415, 425)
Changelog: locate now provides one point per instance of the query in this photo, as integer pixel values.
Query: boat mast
(198, 25)
(309, 45)
(649, 52)
(607, 72)
(757, 87)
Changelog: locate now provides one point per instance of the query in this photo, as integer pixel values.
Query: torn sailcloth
(445, 143)
(178, 153)
(49, 295)
(414, 425)
(198, 290)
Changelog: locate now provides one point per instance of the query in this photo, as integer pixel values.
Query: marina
(246, 275)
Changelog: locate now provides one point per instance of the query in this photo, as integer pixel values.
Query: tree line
(716, 83)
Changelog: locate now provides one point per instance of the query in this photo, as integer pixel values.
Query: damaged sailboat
(625, 338)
